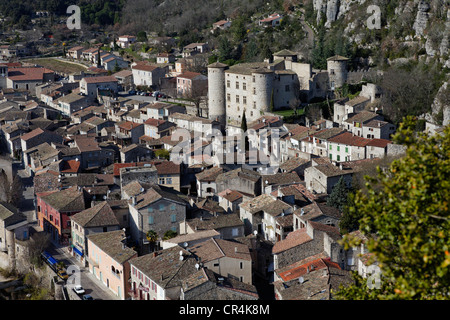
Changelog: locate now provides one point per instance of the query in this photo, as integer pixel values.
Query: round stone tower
(337, 71)
(263, 84)
(216, 92)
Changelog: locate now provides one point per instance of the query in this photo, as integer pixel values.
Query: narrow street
(91, 285)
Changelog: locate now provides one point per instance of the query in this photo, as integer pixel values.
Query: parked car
(132, 92)
(63, 275)
(156, 93)
(87, 297)
(79, 290)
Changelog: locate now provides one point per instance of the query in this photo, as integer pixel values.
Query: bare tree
(38, 242)
(10, 192)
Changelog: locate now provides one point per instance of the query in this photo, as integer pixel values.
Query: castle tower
(263, 84)
(337, 71)
(216, 92)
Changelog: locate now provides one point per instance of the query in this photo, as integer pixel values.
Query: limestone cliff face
(333, 9)
(422, 17)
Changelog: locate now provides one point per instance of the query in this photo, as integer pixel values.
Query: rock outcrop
(422, 17)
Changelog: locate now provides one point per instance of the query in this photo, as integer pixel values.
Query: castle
(261, 87)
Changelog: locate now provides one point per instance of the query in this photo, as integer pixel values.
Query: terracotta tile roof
(71, 166)
(293, 239)
(363, 116)
(256, 204)
(32, 134)
(189, 75)
(156, 193)
(281, 178)
(348, 138)
(231, 195)
(357, 100)
(154, 122)
(27, 74)
(165, 267)
(241, 173)
(128, 125)
(67, 200)
(110, 243)
(300, 268)
(276, 207)
(86, 144)
(380, 143)
(143, 67)
(209, 174)
(214, 249)
(100, 79)
(100, 215)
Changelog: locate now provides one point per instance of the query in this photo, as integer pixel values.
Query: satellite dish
(185, 244)
(181, 252)
(181, 258)
(197, 266)
(301, 280)
(255, 232)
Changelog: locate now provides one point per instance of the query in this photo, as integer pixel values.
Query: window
(228, 83)
(331, 157)
(51, 218)
(346, 149)
(338, 148)
(162, 181)
(254, 104)
(150, 209)
(254, 90)
(173, 218)
(172, 207)
(235, 232)
(237, 85)
(244, 100)
(161, 207)
(244, 86)
(241, 265)
(151, 220)
(338, 158)
(228, 97)
(331, 147)
(237, 99)
(253, 78)
(168, 180)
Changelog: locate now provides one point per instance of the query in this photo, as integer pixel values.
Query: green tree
(225, 49)
(406, 207)
(141, 36)
(162, 154)
(244, 130)
(272, 102)
(238, 29)
(152, 237)
(169, 234)
(338, 196)
(350, 215)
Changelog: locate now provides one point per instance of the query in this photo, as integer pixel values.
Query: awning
(77, 251)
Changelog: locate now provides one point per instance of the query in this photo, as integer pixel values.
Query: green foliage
(100, 12)
(409, 214)
(169, 234)
(162, 154)
(350, 215)
(141, 36)
(152, 236)
(244, 130)
(338, 196)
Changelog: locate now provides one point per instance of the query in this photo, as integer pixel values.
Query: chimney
(155, 254)
(307, 269)
(235, 249)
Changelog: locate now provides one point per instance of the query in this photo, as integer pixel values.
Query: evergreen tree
(338, 196)
(99, 60)
(244, 130)
(350, 215)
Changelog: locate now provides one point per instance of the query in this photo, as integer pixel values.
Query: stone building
(159, 209)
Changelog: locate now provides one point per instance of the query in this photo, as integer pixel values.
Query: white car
(78, 290)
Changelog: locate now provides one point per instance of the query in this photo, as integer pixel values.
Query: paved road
(91, 285)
